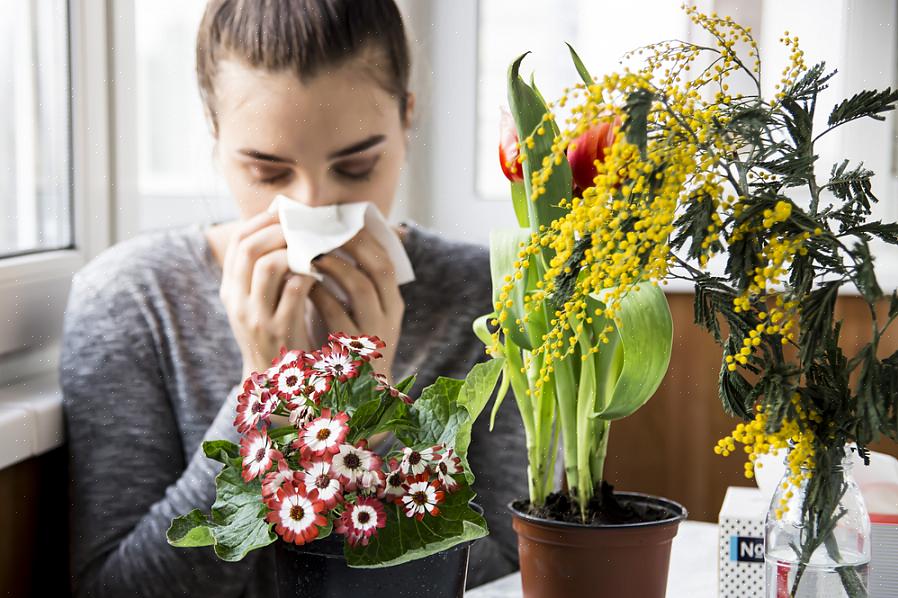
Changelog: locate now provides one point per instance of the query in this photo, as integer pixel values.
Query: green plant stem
(586, 404)
(520, 388)
(566, 395)
(597, 462)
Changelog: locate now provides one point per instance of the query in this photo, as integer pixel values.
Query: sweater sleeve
(128, 470)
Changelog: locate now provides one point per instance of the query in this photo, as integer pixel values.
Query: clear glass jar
(837, 567)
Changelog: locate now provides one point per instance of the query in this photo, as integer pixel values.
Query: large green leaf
(632, 365)
(447, 409)
(528, 108)
(404, 539)
(237, 524)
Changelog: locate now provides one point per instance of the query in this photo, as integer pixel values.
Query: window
(35, 140)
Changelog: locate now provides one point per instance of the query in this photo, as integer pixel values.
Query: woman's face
(337, 138)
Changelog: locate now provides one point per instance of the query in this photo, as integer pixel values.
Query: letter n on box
(740, 569)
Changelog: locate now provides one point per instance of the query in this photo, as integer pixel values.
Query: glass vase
(820, 550)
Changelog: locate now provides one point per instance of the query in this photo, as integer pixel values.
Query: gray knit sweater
(149, 370)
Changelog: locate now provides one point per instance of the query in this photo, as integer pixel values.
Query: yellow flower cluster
(796, 434)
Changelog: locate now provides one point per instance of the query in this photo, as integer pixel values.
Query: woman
(306, 98)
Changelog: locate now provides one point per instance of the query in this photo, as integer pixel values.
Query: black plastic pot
(319, 569)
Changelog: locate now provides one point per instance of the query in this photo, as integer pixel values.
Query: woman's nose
(306, 190)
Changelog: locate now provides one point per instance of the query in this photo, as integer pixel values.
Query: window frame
(34, 286)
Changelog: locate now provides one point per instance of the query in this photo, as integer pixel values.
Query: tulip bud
(589, 148)
(509, 149)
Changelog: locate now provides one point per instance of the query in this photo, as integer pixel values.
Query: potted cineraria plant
(700, 170)
(573, 372)
(363, 488)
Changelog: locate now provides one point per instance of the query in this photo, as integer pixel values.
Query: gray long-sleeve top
(149, 370)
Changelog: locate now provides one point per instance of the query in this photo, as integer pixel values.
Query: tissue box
(740, 570)
(883, 570)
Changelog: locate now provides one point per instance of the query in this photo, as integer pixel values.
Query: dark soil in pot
(603, 509)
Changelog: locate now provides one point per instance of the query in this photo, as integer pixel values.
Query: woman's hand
(376, 304)
(265, 303)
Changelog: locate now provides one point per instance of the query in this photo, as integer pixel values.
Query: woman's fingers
(291, 309)
(363, 295)
(250, 249)
(268, 276)
(245, 229)
(332, 310)
(372, 258)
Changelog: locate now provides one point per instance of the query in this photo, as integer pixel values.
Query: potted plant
(703, 171)
(571, 373)
(363, 488)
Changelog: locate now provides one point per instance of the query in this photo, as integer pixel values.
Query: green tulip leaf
(505, 244)
(581, 68)
(633, 363)
(528, 108)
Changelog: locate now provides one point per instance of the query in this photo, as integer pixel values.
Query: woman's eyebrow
(357, 147)
(257, 155)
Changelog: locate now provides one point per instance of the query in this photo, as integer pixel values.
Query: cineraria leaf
(223, 451)
(406, 539)
(237, 525)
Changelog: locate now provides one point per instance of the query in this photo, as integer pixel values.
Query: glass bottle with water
(838, 566)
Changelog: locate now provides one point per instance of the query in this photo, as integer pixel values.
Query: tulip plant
(572, 387)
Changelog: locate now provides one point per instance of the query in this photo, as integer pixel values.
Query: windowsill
(31, 420)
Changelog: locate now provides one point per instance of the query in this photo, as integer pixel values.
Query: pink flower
(315, 385)
(254, 406)
(336, 363)
(258, 454)
(301, 416)
(384, 385)
(415, 462)
(296, 517)
(323, 435)
(448, 465)
(286, 358)
(365, 347)
(275, 479)
(320, 479)
(422, 495)
(394, 484)
(351, 462)
(361, 520)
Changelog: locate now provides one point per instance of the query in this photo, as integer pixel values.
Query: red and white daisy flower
(316, 384)
(301, 416)
(288, 382)
(258, 454)
(275, 479)
(253, 407)
(351, 462)
(384, 385)
(422, 495)
(366, 347)
(394, 484)
(336, 362)
(361, 520)
(296, 517)
(319, 477)
(415, 462)
(323, 435)
(287, 357)
(447, 466)
(372, 481)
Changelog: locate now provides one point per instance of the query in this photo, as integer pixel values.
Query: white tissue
(313, 231)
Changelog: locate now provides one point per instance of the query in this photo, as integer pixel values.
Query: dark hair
(305, 36)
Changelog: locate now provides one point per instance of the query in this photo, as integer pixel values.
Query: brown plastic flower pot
(569, 559)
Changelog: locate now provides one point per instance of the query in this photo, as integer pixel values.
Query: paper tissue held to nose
(313, 231)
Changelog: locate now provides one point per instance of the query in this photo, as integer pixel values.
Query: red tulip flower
(589, 148)
(509, 149)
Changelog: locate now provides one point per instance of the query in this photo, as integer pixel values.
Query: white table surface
(693, 567)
